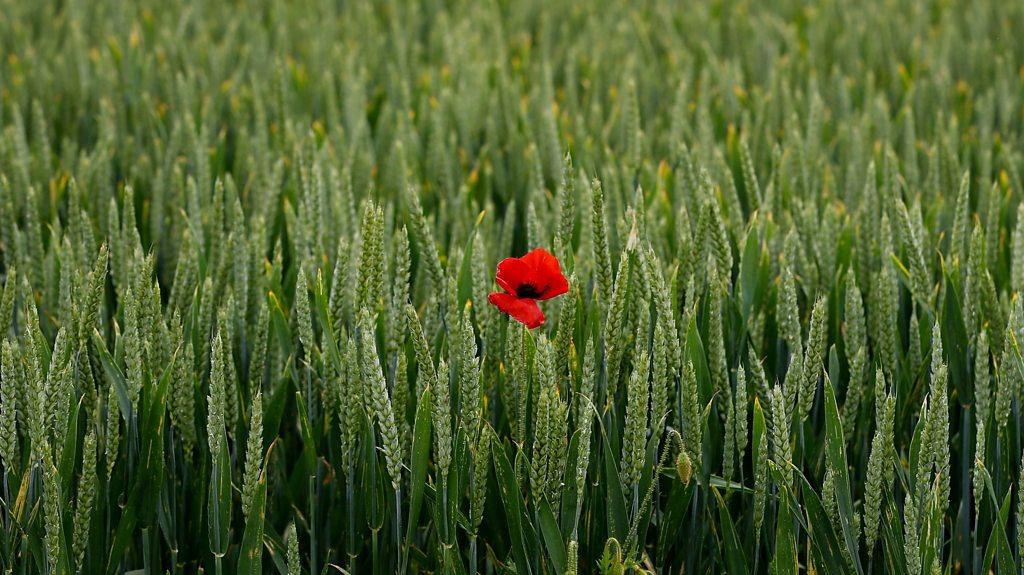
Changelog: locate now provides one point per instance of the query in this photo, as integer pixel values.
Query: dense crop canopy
(756, 269)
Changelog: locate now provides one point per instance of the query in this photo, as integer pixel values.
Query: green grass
(246, 248)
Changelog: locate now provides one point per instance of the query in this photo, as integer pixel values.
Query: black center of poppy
(528, 291)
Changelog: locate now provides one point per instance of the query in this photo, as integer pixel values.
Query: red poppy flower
(526, 280)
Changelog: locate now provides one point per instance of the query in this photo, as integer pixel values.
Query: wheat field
(511, 286)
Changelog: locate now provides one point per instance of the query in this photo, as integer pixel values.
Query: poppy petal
(546, 273)
(512, 273)
(525, 311)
